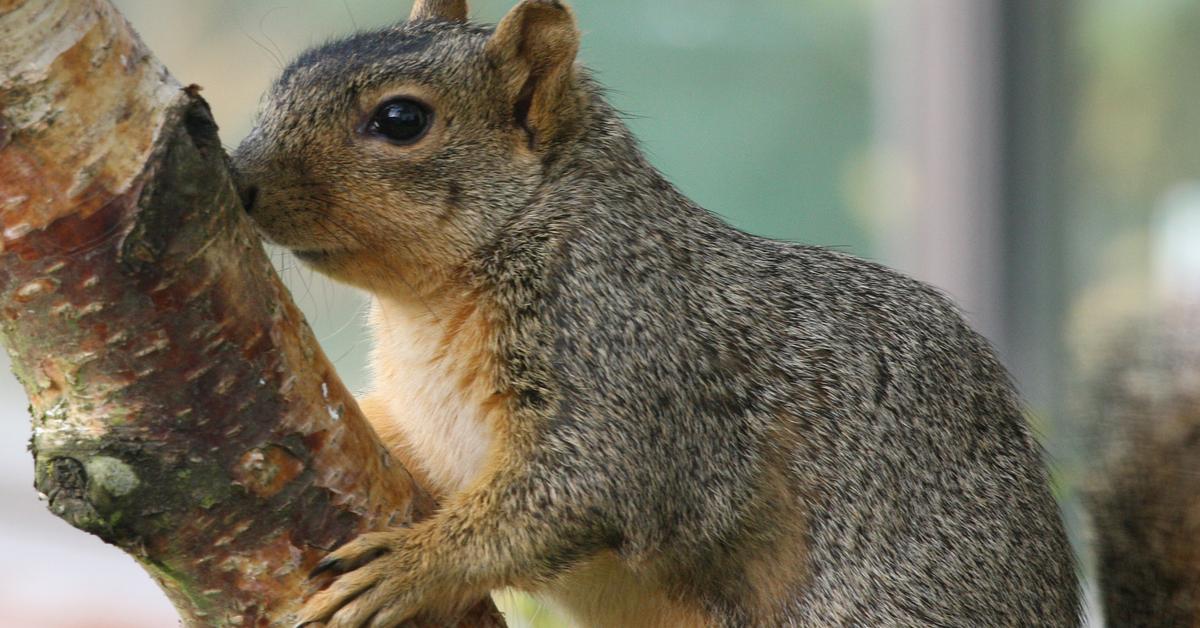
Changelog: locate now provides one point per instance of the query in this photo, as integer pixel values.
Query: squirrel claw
(351, 601)
(355, 595)
(350, 556)
(327, 564)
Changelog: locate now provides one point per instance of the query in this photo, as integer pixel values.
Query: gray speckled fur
(668, 366)
(676, 346)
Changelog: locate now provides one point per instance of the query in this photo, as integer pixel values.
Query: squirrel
(1143, 415)
(623, 404)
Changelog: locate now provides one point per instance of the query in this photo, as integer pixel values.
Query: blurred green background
(1036, 159)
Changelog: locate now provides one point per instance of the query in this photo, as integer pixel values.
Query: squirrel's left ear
(534, 46)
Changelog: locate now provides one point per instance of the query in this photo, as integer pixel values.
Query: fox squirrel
(624, 404)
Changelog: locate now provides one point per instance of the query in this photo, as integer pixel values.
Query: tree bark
(182, 409)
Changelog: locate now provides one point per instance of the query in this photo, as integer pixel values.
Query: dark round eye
(401, 121)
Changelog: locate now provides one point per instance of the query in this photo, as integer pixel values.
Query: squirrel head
(394, 154)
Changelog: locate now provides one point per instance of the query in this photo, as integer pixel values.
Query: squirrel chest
(432, 401)
(432, 370)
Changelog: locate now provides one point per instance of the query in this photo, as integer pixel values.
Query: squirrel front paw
(380, 582)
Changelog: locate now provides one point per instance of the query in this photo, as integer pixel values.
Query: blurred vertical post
(938, 111)
(182, 409)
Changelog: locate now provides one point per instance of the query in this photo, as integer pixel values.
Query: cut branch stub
(182, 409)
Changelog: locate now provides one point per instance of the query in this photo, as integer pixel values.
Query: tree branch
(182, 409)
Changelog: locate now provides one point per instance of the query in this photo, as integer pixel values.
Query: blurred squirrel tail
(1145, 500)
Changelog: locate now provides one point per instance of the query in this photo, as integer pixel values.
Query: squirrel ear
(534, 46)
(449, 10)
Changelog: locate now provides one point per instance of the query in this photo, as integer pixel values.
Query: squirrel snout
(246, 190)
(248, 194)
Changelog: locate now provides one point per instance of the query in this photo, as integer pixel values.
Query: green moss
(112, 475)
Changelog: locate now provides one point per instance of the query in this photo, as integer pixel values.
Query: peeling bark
(182, 409)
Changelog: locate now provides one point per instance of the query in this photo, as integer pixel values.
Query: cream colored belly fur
(418, 366)
(422, 396)
(605, 593)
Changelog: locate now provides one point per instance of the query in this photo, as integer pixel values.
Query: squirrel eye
(401, 121)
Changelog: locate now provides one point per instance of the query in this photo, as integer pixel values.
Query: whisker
(261, 46)
(262, 29)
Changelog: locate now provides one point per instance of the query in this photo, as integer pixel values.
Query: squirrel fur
(624, 404)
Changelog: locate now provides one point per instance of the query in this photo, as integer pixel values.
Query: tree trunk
(182, 409)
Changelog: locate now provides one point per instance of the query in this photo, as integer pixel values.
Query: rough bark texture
(182, 409)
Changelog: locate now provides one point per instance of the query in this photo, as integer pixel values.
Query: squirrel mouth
(313, 255)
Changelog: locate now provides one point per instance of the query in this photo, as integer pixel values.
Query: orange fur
(778, 569)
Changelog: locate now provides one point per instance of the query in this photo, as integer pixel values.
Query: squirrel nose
(248, 194)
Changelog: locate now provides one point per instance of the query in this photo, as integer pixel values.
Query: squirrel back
(794, 388)
(622, 401)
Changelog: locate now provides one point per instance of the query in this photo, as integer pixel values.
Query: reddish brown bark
(182, 408)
